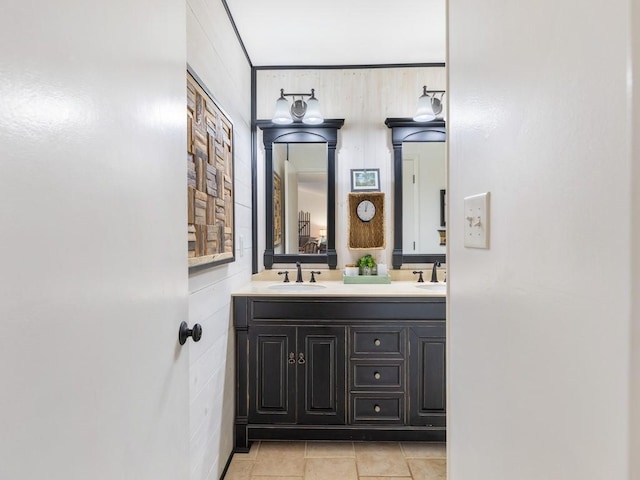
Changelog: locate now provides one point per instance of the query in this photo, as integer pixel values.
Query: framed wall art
(277, 209)
(210, 218)
(365, 180)
(443, 208)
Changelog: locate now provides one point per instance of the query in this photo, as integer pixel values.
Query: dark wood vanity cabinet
(339, 368)
(428, 389)
(296, 375)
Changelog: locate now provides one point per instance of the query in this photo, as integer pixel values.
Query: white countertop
(339, 289)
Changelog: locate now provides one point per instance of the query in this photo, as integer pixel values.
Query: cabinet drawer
(376, 375)
(380, 342)
(377, 408)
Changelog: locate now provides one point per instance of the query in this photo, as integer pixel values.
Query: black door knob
(186, 332)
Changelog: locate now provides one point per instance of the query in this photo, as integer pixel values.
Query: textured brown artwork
(209, 179)
(277, 209)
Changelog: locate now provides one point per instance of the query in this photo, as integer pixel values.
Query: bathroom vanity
(347, 362)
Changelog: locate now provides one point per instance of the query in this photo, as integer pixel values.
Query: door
(272, 374)
(93, 276)
(410, 206)
(321, 375)
(427, 381)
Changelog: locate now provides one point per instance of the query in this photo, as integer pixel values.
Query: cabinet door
(321, 375)
(272, 369)
(427, 384)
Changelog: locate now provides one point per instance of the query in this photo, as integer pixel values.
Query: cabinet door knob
(301, 359)
(376, 375)
(185, 332)
(376, 408)
(377, 342)
(292, 358)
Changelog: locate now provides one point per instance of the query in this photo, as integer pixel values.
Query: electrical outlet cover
(476, 221)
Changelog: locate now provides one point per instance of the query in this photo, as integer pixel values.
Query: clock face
(366, 210)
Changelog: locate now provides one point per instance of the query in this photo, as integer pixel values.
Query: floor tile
(340, 461)
(239, 470)
(386, 478)
(330, 450)
(428, 468)
(381, 459)
(253, 452)
(391, 447)
(280, 449)
(424, 450)
(278, 466)
(330, 469)
(261, 477)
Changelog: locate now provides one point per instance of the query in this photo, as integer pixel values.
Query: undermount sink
(296, 287)
(433, 287)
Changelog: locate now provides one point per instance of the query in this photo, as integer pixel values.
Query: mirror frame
(407, 130)
(326, 132)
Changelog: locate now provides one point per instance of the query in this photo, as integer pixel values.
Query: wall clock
(366, 210)
(366, 221)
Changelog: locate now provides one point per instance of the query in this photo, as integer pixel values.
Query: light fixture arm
(310, 95)
(426, 92)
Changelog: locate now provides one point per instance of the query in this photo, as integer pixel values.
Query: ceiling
(341, 32)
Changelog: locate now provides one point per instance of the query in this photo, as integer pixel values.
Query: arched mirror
(300, 192)
(419, 159)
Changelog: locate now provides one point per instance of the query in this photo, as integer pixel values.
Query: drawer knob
(377, 342)
(376, 408)
(292, 358)
(376, 375)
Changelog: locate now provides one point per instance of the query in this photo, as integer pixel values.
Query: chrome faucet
(434, 272)
(299, 277)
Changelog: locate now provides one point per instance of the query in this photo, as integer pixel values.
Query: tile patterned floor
(340, 461)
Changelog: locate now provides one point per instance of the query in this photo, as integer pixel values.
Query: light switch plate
(476, 221)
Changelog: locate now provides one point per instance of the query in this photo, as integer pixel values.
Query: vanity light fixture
(307, 111)
(429, 106)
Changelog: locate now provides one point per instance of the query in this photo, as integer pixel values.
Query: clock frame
(364, 214)
(365, 235)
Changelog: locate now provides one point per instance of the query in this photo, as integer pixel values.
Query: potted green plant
(367, 265)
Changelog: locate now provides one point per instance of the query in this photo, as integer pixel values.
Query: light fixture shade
(424, 109)
(436, 105)
(313, 115)
(282, 115)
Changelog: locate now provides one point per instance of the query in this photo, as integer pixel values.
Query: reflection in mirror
(300, 193)
(419, 166)
(423, 180)
(299, 225)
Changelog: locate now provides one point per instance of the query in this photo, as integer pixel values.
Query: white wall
(215, 54)
(317, 203)
(93, 281)
(539, 324)
(364, 98)
(635, 242)
(283, 169)
(430, 171)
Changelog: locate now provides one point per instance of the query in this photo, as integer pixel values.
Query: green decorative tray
(361, 279)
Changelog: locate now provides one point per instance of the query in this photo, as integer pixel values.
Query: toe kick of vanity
(339, 368)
